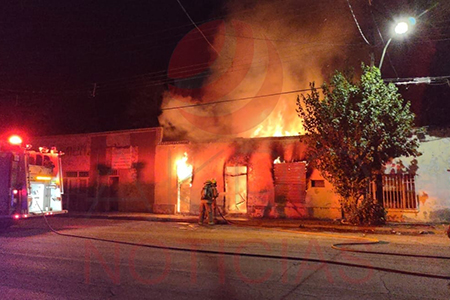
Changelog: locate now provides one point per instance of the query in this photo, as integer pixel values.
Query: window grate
(399, 191)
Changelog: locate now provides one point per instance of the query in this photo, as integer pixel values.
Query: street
(118, 259)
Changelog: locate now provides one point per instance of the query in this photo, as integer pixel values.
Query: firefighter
(208, 196)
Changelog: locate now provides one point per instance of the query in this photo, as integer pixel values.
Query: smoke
(261, 48)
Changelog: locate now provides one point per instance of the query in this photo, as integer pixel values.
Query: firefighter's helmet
(212, 182)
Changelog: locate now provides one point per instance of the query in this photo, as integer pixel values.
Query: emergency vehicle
(30, 181)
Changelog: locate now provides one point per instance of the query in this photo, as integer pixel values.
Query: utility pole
(371, 38)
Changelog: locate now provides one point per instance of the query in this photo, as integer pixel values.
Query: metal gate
(290, 182)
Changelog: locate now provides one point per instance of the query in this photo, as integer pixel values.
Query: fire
(277, 160)
(283, 121)
(184, 170)
(184, 173)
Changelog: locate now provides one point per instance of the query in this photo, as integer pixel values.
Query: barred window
(399, 191)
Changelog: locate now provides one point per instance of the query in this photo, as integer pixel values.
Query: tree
(353, 131)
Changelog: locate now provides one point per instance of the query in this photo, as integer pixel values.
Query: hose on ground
(264, 256)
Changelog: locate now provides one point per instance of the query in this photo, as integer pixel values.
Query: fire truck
(30, 181)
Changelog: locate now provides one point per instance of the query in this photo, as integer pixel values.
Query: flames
(184, 173)
(184, 170)
(283, 121)
(262, 54)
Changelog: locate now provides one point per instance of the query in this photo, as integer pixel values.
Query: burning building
(137, 171)
(259, 177)
(229, 113)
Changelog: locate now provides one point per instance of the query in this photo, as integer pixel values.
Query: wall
(432, 182)
(210, 160)
(121, 167)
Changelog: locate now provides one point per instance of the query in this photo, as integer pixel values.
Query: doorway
(236, 189)
(113, 193)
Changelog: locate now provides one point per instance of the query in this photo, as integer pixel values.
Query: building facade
(109, 171)
(136, 171)
(259, 177)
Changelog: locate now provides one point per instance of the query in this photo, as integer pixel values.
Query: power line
(255, 64)
(235, 99)
(199, 30)
(357, 24)
(438, 80)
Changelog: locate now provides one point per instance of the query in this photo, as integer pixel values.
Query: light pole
(400, 29)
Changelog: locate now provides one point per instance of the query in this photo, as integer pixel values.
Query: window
(83, 174)
(399, 191)
(77, 182)
(318, 183)
(39, 160)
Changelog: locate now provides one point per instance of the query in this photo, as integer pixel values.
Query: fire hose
(277, 257)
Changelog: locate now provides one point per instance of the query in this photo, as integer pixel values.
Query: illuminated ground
(39, 264)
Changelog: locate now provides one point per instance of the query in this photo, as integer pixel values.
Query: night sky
(88, 66)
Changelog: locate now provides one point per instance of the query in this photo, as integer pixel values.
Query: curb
(391, 229)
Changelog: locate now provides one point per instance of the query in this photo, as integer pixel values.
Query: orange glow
(282, 122)
(184, 170)
(184, 173)
(43, 178)
(15, 140)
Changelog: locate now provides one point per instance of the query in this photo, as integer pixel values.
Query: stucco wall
(432, 182)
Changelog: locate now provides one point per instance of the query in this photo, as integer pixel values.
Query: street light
(400, 29)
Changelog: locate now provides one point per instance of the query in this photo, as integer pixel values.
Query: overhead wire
(236, 68)
(121, 84)
(262, 59)
(199, 30)
(357, 24)
(234, 99)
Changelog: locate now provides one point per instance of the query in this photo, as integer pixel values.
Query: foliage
(369, 212)
(354, 130)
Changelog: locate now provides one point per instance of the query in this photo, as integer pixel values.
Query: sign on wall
(123, 157)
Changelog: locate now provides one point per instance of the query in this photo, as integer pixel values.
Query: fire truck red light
(16, 216)
(15, 140)
(15, 192)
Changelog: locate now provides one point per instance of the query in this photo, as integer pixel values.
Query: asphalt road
(111, 259)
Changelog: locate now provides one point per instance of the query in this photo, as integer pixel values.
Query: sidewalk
(306, 225)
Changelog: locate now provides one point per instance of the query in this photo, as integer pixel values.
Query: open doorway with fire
(184, 182)
(236, 189)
